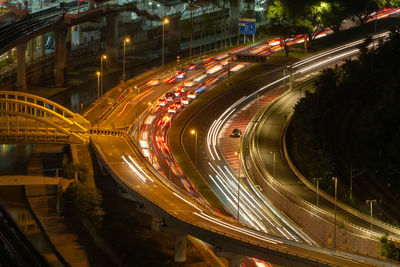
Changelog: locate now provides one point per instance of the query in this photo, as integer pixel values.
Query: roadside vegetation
(369, 88)
(389, 250)
(287, 18)
(80, 199)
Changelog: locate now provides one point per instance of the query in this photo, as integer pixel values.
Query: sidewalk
(68, 237)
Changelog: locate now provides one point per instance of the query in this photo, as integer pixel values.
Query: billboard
(247, 26)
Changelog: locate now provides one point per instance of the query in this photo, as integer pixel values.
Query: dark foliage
(374, 76)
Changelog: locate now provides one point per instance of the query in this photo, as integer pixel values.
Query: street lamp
(370, 201)
(194, 132)
(162, 50)
(351, 180)
(238, 187)
(318, 179)
(126, 40)
(334, 230)
(101, 71)
(98, 84)
(274, 161)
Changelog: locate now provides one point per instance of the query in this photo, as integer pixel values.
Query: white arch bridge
(30, 118)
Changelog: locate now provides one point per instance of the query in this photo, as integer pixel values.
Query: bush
(71, 168)
(389, 250)
(84, 201)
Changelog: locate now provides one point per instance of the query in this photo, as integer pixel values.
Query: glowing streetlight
(334, 230)
(194, 132)
(165, 21)
(273, 164)
(98, 84)
(103, 57)
(370, 201)
(126, 40)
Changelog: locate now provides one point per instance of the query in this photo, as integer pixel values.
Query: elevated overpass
(137, 177)
(175, 210)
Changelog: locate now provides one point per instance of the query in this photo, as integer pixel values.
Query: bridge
(33, 180)
(29, 118)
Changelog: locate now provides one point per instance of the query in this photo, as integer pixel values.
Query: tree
(187, 31)
(80, 199)
(284, 30)
(334, 14)
(363, 9)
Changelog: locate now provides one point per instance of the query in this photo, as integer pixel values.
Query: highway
(130, 170)
(139, 179)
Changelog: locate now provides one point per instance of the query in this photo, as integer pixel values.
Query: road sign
(247, 26)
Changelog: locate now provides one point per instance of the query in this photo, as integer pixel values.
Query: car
(178, 92)
(153, 82)
(170, 80)
(179, 74)
(192, 95)
(175, 107)
(185, 100)
(191, 66)
(162, 101)
(170, 96)
(190, 83)
(236, 133)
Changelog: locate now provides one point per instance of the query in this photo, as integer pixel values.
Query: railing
(255, 158)
(249, 240)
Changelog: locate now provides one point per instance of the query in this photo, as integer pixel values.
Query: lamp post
(98, 84)
(334, 230)
(351, 180)
(194, 132)
(162, 50)
(101, 71)
(273, 164)
(126, 40)
(238, 188)
(318, 179)
(370, 201)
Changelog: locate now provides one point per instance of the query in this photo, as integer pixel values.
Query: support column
(174, 35)
(9, 56)
(112, 37)
(235, 260)
(235, 7)
(60, 57)
(21, 67)
(80, 35)
(31, 49)
(155, 223)
(179, 248)
(69, 39)
(43, 45)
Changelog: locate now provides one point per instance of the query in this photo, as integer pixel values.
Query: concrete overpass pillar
(9, 56)
(174, 35)
(155, 223)
(43, 45)
(31, 49)
(235, 260)
(80, 38)
(112, 37)
(235, 8)
(21, 67)
(60, 37)
(179, 248)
